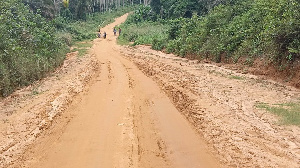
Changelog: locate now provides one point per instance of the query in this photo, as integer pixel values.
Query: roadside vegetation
(221, 30)
(36, 34)
(28, 47)
(141, 28)
(82, 47)
(148, 33)
(288, 112)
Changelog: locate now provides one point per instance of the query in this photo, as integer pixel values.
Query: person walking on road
(120, 31)
(115, 31)
(104, 35)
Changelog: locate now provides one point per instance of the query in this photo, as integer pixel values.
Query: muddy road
(125, 120)
(135, 107)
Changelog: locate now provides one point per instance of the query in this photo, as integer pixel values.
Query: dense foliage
(34, 36)
(248, 28)
(77, 30)
(149, 33)
(140, 28)
(77, 9)
(28, 47)
(227, 29)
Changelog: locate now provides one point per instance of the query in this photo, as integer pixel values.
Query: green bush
(28, 49)
(244, 28)
(158, 43)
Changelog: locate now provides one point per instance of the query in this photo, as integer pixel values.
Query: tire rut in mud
(239, 133)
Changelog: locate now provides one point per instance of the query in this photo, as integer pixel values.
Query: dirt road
(135, 107)
(124, 120)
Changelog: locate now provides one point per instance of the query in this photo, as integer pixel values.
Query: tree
(45, 7)
(156, 6)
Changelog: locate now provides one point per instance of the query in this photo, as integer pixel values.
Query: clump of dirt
(221, 104)
(29, 111)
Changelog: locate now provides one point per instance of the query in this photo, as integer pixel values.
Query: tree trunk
(106, 3)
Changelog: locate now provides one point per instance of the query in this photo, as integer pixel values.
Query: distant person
(99, 33)
(115, 31)
(104, 35)
(120, 31)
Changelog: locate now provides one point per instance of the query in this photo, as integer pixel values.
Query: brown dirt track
(135, 107)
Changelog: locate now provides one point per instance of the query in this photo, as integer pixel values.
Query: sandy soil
(134, 107)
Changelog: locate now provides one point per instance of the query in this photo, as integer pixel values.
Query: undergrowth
(140, 28)
(226, 31)
(148, 33)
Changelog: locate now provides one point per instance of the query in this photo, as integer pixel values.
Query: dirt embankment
(27, 112)
(287, 73)
(221, 104)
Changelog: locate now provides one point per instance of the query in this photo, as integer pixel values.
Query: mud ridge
(223, 111)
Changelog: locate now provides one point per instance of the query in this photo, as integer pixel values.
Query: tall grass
(148, 33)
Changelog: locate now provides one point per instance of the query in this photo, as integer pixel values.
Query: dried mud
(223, 109)
(29, 111)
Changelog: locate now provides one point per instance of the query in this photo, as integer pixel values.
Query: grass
(288, 112)
(82, 47)
(236, 77)
(143, 33)
(85, 44)
(123, 41)
(81, 51)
